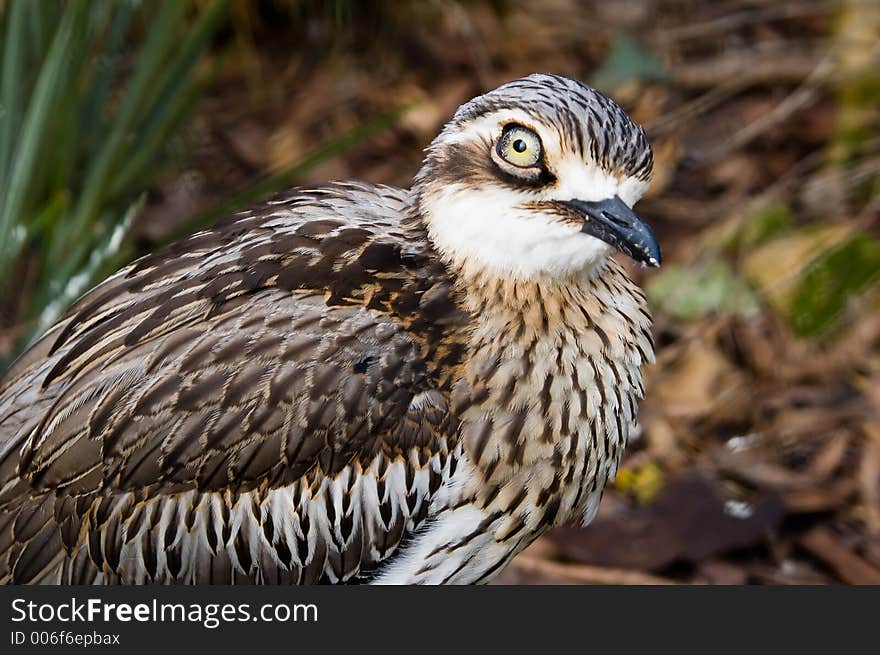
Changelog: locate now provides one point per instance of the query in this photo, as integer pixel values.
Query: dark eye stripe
(541, 179)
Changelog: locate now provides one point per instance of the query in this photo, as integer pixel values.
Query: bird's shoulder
(291, 338)
(354, 244)
(283, 376)
(337, 239)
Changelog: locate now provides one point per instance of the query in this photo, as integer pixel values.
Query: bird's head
(538, 178)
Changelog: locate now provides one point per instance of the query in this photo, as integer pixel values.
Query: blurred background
(125, 125)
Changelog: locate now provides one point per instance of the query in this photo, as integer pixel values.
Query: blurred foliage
(268, 184)
(762, 226)
(84, 125)
(858, 87)
(831, 281)
(807, 271)
(691, 292)
(91, 98)
(807, 274)
(628, 61)
(643, 482)
(764, 121)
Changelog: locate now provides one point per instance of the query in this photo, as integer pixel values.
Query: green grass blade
(150, 62)
(104, 74)
(61, 148)
(143, 143)
(39, 26)
(81, 134)
(35, 129)
(77, 284)
(175, 99)
(11, 89)
(155, 137)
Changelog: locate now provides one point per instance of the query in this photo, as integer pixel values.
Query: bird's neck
(531, 301)
(517, 313)
(549, 390)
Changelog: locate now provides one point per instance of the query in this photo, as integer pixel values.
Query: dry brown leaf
(697, 383)
(662, 440)
(719, 572)
(583, 574)
(692, 518)
(869, 476)
(831, 455)
(758, 470)
(776, 267)
(850, 567)
(828, 497)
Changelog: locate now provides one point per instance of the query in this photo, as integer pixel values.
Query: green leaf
(831, 281)
(764, 225)
(108, 246)
(80, 141)
(150, 63)
(14, 55)
(105, 69)
(35, 130)
(628, 61)
(688, 293)
(177, 96)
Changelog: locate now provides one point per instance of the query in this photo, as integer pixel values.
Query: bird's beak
(612, 221)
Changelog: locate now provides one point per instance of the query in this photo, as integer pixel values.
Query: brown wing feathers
(243, 395)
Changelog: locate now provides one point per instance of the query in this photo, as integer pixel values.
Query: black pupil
(519, 145)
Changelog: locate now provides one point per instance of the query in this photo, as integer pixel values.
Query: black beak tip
(614, 222)
(652, 256)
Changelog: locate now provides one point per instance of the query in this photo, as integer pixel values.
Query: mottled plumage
(337, 385)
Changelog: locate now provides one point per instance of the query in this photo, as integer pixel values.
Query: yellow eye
(519, 146)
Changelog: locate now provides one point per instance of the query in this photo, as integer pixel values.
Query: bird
(350, 382)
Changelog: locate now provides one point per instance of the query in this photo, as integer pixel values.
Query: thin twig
(734, 20)
(796, 100)
(586, 574)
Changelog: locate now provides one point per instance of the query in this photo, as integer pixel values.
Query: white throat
(480, 228)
